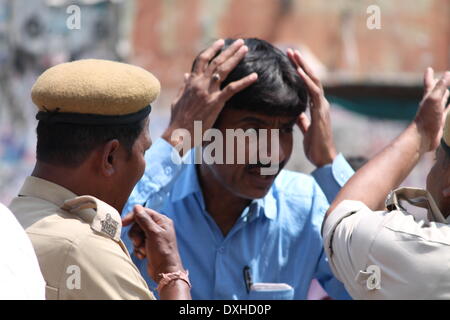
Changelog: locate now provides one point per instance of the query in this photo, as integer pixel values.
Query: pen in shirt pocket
(247, 278)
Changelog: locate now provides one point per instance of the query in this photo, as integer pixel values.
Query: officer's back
(92, 136)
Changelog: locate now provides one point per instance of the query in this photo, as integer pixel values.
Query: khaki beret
(97, 92)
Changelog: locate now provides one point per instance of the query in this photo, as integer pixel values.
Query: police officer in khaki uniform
(377, 248)
(92, 136)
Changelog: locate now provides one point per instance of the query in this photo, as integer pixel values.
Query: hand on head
(430, 116)
(318, 137)
(202, 98)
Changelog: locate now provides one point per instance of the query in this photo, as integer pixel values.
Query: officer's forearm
(373, 182)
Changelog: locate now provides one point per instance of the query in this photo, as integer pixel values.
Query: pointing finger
(128, 219)
(144, 220)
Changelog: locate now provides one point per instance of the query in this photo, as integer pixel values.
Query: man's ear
(109, 157)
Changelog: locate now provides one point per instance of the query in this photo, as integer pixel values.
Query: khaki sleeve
(98, 269)
(346, 255)
(387, 255)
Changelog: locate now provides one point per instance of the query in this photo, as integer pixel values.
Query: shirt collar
(269, 206)
(419, 198)
(261, 207)
(46, 190)
(188, 183)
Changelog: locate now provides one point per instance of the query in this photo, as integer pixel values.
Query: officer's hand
(318, 138)
(153, 236)
(430, 116)
(201, 98)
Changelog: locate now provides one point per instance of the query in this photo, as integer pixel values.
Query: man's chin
(255, 192)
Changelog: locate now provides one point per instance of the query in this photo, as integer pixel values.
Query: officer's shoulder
(68, 241)
(60, 229)
(80, 218)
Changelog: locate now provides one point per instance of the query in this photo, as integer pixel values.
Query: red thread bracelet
(166, 278)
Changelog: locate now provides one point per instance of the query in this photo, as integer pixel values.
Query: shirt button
(221, 250)
(168, 170)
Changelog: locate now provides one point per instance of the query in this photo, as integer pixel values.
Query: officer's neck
(75, 179)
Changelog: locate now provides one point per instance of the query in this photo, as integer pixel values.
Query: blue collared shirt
(278, 237)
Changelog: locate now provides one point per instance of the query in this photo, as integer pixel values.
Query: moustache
(261, 165)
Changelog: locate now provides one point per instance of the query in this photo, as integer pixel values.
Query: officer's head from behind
(93, 127)
(438, 180)
(274, 101)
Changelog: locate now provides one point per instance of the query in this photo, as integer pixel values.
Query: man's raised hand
(202, 98)
(318, 138)
(430, 116)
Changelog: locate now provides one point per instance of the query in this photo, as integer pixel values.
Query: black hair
(278, 91)
(69, 144)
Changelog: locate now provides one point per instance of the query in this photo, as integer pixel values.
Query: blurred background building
(373, 77)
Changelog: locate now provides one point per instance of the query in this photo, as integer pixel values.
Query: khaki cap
(94, 92)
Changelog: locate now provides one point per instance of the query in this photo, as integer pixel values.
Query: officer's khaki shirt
(77, 242)
(392, 254)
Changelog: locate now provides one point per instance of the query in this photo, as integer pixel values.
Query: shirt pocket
(272, 291)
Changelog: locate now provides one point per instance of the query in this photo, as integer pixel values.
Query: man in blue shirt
(243, 234)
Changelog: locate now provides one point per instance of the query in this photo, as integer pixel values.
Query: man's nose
(271, 150)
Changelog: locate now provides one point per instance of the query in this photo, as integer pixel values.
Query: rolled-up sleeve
(337, 236)
(347, 241)
(387, 254)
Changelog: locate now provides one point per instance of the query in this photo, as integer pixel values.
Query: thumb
(128, 219)
(303, 122)
(144, 220)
